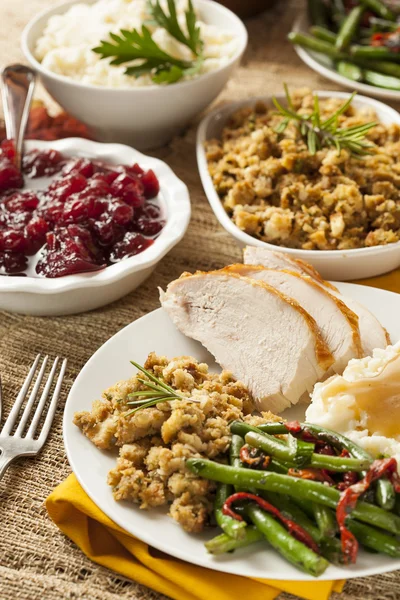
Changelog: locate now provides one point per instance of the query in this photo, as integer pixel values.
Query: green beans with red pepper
(291, 486)
(370, 25)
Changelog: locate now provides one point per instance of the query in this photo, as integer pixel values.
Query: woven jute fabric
(36, 561)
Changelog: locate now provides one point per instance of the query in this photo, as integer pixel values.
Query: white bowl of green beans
(357, 48)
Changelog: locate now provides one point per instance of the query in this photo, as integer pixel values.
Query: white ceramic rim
(202, 4)
(221, 114)
(301, 25)
(177, 203)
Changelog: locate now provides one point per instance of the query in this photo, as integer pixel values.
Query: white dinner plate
(324, 66)
(111, 363)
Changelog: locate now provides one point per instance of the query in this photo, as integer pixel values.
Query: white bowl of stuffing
(132, 71)
(323, 191)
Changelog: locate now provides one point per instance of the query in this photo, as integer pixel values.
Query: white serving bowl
(339, 265)
(324, 66)
(145, 117)
(79, 293)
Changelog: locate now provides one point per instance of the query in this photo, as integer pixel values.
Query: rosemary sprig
(157, 391)
(139, 45)
(318, 133)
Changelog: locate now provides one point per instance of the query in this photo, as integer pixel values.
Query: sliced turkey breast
(337, 323)
(373, 335)
(256, 255)
(266, 339)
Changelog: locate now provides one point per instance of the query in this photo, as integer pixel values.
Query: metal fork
(14, 445)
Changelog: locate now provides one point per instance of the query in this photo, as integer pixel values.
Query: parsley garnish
(139, 45)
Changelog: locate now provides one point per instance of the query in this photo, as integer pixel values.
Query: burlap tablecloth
(36, 560)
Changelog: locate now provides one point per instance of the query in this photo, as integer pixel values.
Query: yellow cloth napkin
(107, 544)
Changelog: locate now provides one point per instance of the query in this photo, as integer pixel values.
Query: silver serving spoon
(17, 86)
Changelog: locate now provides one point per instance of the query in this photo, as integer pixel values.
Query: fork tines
(46, 410)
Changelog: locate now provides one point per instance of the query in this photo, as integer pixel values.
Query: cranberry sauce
(89, 216)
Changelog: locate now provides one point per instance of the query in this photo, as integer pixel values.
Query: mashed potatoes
(68, 39)
(364, 403)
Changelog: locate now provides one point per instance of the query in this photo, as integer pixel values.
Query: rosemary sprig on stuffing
(157, 391)
(318, 133)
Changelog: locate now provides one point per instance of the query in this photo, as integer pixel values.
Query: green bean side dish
(362, 40)
(311, 493)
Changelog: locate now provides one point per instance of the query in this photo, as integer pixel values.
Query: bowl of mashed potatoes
(123, 108)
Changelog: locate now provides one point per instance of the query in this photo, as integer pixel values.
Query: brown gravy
(378, 397)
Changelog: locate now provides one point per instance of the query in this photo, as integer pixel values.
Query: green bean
(338, 12)
(381, 66)
(349, 27)
(349, 70)
(292, 486)
(380, 80)
(273, 446)
(237, 443)
(374, 53)
(325, 519)
(277, 466)
(340, 464)
(230, 526)
(379, 25)
(291, 510)
(296, 451)
(294, 551)
(323, 34)
(241, 428)
(289, 454)
(384, 494)
(224, 543)
(397, 505)
(380, 9)
(331, 549)
(317, 12)
(305, 505)
(312, 43)
(374, 539)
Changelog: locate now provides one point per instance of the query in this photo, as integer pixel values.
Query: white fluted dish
(79, 293)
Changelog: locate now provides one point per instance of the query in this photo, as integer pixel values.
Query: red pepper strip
(349, 497)
(259, 460)
(313, 474)
(293, 426)
(295, 530)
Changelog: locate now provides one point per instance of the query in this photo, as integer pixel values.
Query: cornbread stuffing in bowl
(155, 442)
(278, 189)
(315, 173)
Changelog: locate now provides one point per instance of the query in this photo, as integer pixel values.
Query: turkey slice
(373, 335)
(337, 323)
(266, 339)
